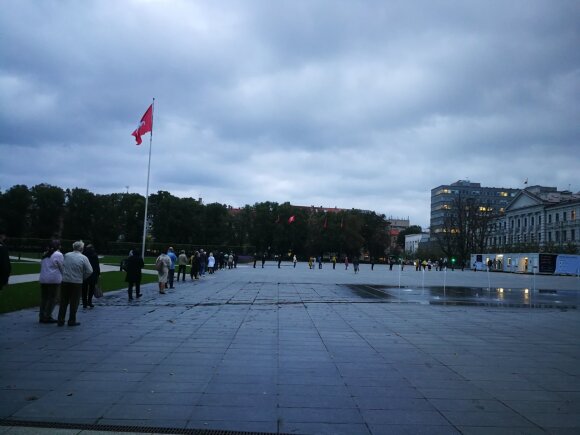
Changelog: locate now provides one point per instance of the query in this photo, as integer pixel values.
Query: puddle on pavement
(497, 296)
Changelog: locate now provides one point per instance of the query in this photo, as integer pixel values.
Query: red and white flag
(145, 126)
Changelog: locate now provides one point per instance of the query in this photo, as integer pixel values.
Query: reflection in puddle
(471, 295)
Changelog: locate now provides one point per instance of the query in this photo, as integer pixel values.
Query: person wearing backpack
(162, 265)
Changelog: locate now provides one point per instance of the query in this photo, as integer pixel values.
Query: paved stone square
(284, 350)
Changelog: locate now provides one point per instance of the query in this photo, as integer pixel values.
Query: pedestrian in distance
(279, 260)
(333, 262)
(263, 259)
(162, 265)
(182, 265)
(5, 266)
(90, 283)
(76, 269)
(171, 272)
(320, 262)
(294, 260)
(355, 263)
(255, 259)
(210, 263)
(51, 268)
(194, 266)
(133, 266)
(345, 262)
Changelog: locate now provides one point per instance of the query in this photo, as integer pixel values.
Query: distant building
(442, 200)
(413, 241)
(538, 217)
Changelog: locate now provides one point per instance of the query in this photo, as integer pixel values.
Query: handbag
(98, 293)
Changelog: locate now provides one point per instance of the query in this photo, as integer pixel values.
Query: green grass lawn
(26, 295)
(23, 268)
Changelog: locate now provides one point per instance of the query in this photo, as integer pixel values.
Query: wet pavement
(304, 351)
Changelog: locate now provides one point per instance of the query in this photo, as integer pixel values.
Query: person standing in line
(255, 259)
(5, 267)
(346, 262)
(235, 260)
(230, 261)
(133, 267)
(90, 283)
(182, 262)
(51, 267)
(173, 260)
(355, 263)
(263, 259)
(333, 262)
(76, 268)
(294, 260)
(279, 260)
(162, 265)
(372, 263)
(202, 262)
(194, 272)
(320, 262)
(210, 263)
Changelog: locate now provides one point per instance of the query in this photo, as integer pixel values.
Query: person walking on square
(263, 259)
(162, 265)
(51, 267)
(345, 262)
(173, 259)
(320, 262)
(5, 267)
(294, 260)
(255, 259)
(76, 268)
(90, 283)
(182, 262)
(279, 260)
(133, 266)
(333, 262)
(355, 263)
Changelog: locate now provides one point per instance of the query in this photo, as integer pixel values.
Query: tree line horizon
(112, 222)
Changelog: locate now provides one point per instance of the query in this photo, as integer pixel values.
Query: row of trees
(44, 211)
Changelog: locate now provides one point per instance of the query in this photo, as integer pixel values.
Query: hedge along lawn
(24, 267)
(15, 297)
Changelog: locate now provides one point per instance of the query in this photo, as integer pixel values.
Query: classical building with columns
(538, 217)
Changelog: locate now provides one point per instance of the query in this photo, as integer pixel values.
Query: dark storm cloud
(367, 104)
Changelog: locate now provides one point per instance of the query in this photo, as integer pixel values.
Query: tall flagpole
(147, 193)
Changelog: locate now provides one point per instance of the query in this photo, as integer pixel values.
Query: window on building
(539, 220)
(573, 235)
(557, 236)
(564, 216)
(525, 222)
(549, 218)
(557, 217)
(518, 222)
(532, 221)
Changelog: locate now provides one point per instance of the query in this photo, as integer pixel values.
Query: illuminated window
(503, 194)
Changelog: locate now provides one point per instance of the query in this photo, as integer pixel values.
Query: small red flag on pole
(145, 126)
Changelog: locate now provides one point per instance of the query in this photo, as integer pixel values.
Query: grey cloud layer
(366, 104)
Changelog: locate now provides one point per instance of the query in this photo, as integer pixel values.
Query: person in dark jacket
(5, 267)
(90, 283)
(133, 265)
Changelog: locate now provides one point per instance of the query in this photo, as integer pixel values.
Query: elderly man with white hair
(76, 269)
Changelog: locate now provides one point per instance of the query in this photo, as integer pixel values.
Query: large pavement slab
(299, 351)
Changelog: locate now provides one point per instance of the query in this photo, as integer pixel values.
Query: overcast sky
(354, 104)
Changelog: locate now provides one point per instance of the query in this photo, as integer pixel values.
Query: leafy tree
(15, 205)
(413, 229)
(47, 211)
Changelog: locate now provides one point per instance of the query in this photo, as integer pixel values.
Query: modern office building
(442, 200)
